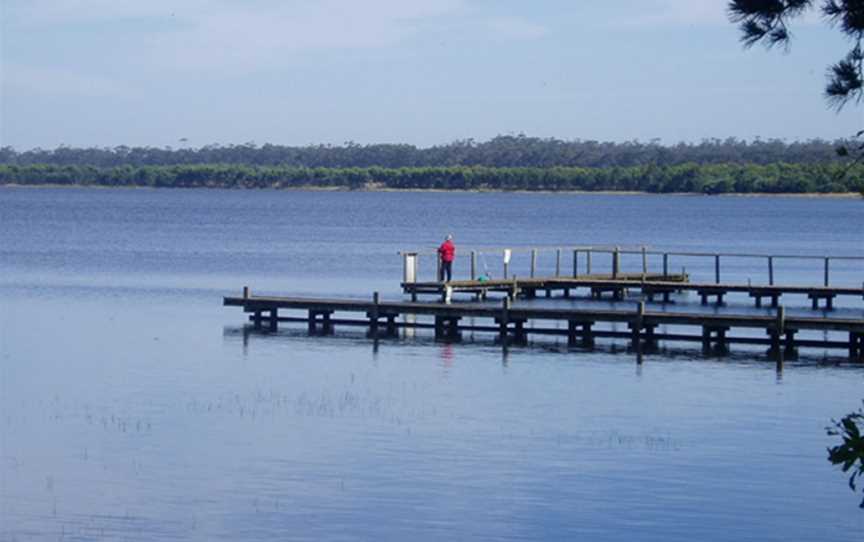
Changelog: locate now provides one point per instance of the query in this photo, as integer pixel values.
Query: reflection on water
(133, 405)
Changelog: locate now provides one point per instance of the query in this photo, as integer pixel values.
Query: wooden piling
(256, 319)
(637, 324)
(373, 316)
(327, 323)
(775, 339)
(716, 269)
(779, 328)
(504, 320)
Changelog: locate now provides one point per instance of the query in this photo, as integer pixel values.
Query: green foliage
(850, 453)
(767, 21)
(689, 177)
(510, 151)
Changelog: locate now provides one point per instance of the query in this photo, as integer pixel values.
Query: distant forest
(502, 163)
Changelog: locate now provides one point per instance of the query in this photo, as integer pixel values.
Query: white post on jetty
(409, 267)
(507, 254)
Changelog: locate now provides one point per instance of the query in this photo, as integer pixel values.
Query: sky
(189, 73)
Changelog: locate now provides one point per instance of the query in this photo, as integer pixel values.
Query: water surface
(132, 408)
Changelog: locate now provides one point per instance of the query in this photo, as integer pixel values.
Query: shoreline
(325, 188)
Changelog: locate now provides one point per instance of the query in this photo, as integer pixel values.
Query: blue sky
(118, 72)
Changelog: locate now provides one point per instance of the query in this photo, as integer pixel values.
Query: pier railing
(571, 261)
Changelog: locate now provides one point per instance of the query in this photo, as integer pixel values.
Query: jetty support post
(827, 260)
(789, 350)
(636, 330)
(533, 262)
(665, 264)
(644, 262)
(473, 265)
(245, 292)
(575, 262)
(558, 262)
(616, 262)
(274, 319)
(373, 316)
(588, 262)
(856, 346)
(447, 328)
(579, 333)
(391, 329)
(520, 335)
(504, 321)
(439, 328)
(326, 322)
(771, 270)
(714, 337)
(776, 333)
(716, 269)
(587, 334)
(311, 321)
(815, 296)
(772, 295)
(507, 254)
(513, 292)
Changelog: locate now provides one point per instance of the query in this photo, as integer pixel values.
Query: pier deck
(513, 324)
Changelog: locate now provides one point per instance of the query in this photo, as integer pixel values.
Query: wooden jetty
(652, 281)
(514, 324)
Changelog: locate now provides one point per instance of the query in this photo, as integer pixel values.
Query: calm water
(131, 407)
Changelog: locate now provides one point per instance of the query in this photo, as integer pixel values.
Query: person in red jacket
(446, 253)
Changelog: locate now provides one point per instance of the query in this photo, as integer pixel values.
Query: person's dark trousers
(446, 271)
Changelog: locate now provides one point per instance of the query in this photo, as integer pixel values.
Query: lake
(132, 408)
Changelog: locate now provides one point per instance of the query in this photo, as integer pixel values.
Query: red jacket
(447, 251)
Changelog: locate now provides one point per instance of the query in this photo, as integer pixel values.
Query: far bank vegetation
(503, 163)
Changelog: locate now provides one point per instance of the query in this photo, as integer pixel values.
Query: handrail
(631, 250)
(647, 254)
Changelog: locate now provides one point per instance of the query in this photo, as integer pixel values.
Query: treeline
(694, 178)
(499, 152)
